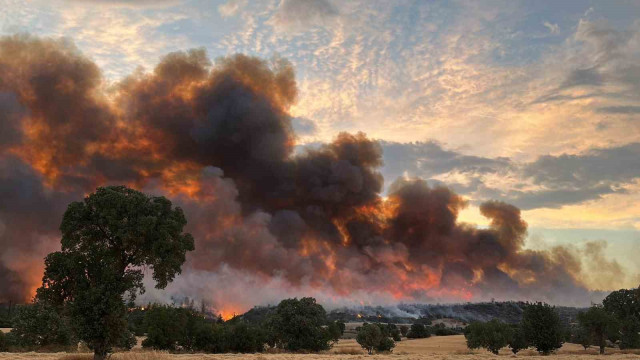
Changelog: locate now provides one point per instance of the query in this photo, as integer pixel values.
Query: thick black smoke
(218, 139)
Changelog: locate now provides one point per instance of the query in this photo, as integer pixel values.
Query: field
(436, 348)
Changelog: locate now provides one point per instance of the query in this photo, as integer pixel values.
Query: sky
(536, 104)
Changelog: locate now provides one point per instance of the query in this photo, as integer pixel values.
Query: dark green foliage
(395, 334)
(630, 333)
(106, 241)
(582, 336)
(135, 320)
(418, 331)
(404, 329)
(492, 335)
(39, 325)
(385, 345)
(372, 338)
(163, 331)
(297, 325)
(4, 346)
(335, 329)
(623, 303)
(184, 329)
(542, 327)
(601, 325)
(518, 340)
(625, 306)
(441, 330)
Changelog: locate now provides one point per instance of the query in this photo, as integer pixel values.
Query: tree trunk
(601, 349)
(100, 354)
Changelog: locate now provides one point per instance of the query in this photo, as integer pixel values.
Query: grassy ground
(434, 348)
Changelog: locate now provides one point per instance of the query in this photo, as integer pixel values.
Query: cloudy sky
(533, 103)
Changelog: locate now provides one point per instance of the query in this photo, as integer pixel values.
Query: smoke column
(217, 139)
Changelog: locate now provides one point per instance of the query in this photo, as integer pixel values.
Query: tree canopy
(542, 327)
(106, 241)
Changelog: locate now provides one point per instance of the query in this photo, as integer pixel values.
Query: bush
(442, 330)
(492, 335)
(385, 345)
(418, 331)
(371, 337)
(38, 325)
(542, 327)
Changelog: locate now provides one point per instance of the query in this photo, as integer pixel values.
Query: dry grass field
(434, 348)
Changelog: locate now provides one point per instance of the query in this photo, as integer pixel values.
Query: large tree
(107, 241)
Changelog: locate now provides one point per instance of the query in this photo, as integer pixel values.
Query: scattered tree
(107, 239)
(369, 337)
(542, 327)
(372, 338)
(404, 329)
(492, 335)
(298, 325)
(418, 331)
(600, 324)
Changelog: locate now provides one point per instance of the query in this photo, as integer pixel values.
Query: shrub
(404, 329)
(385, 345)
(492, 335)
(37, 325)
(418, 331)
(372, 338)
(542, 327)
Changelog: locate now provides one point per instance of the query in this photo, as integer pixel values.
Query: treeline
(615, 322)
(296, 325)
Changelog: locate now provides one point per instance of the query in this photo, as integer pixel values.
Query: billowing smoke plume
(218, 140)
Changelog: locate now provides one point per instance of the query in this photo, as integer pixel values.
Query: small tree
(404, 329)
(298, 325)
(418, 331)
(599, 323)
(542, 327)
(334, 331)
(107, 240)
(518, 340)
(371, 337)
(581, 336)
(492, 335)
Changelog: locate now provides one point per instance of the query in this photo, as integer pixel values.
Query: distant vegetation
(614, 323)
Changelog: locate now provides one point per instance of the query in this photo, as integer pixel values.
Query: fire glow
(218, 141)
